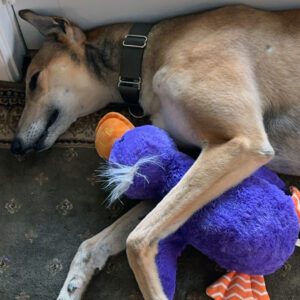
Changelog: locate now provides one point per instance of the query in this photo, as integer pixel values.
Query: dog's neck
(103, 49)
(103, 56)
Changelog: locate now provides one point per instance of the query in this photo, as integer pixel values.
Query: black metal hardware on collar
(134, 83)
(130, 80)
(135, 41)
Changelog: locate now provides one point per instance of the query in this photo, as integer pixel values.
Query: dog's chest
(176, 123)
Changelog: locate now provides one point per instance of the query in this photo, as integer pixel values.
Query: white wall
(11, 45)
(90, 13)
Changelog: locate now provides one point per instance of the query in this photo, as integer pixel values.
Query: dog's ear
(60, 28)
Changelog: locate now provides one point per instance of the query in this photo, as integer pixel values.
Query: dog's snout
(16, 146)
(53, 118)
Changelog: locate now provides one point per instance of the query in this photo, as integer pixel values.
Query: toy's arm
(271, 177)
(179, 165)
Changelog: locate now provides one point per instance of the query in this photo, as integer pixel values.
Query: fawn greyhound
(225, 80)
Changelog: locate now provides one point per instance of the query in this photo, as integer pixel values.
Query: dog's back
(268, 42)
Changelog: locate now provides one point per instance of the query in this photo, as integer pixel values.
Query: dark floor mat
(50, 202)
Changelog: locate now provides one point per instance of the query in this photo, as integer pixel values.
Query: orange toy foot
(296, 198)
(238, 286)
(110, 128)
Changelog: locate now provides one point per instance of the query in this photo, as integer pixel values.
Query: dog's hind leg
(94, 252)
(217, 169)
(223, 112)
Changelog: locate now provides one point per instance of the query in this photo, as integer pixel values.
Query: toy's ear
(60, 28)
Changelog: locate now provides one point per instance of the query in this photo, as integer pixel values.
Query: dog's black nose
(16, 146)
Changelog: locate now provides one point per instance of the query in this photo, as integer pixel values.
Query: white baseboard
(12, 48)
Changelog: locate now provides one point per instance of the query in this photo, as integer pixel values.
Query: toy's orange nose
(110, 128)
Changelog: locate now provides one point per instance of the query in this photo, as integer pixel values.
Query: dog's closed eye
(33, 81)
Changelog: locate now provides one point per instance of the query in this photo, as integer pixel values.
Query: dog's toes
(72, 290)
(74, 284)
(81, 271)
(64, 296)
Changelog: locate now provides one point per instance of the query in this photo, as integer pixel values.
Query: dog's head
(60, 84)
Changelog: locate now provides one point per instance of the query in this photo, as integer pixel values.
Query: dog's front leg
(218, 168)
(94, 252)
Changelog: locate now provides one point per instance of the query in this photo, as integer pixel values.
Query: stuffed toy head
(250, 230)
(145, 150)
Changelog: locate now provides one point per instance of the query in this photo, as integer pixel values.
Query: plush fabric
(252, 228)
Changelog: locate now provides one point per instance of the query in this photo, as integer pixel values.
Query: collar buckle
(132, 83)
(136, 112)
(135, 41)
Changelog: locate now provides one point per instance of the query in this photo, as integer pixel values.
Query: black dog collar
(130, 80)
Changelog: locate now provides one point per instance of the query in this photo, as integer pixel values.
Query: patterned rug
(50, 202)
(80, 134)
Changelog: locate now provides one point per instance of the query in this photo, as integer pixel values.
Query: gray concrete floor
(50, 203)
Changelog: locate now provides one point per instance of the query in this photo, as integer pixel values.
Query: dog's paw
(73, 288)
(80, 273)
(88, 258)
(74, 284)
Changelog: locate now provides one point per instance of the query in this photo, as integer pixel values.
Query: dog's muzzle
(19, 148)
(16, 146)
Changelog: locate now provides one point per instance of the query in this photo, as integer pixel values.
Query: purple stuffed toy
(251, 229)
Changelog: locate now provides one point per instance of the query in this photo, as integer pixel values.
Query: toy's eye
(33, 81)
